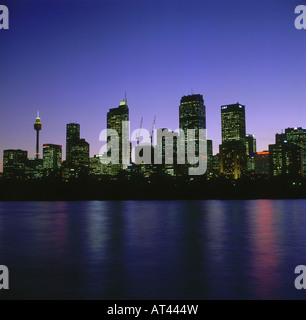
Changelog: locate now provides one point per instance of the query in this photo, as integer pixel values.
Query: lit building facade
(192, 115)
(233, 162)
(297, 136)
(72, 139)
(115, 116)
(52, 158)
(37, 128)
(14, 162)
(285, 158)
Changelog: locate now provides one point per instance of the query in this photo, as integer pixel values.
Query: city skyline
(73, 132)
(74, 72)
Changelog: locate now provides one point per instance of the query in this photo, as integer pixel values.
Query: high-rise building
(72, 139)
(297, 136)
(115, 117)
(80, 154)
(233, 149)
(14, 162)
(250, 143)
(262, 163)
(192, 113)
(37, 128)
(285, 158)
(209, 156)
(233, 122)
(34, 169)
(52, 158)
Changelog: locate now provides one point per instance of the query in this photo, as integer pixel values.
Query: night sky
(73, 60)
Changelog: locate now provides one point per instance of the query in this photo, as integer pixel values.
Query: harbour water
(214, 249)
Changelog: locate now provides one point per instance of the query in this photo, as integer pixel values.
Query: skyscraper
(297, 136)
(233, 122)
(37, 128)
(52, 158)
(192, 115)
(72, 139)
(286, 156)
(233, 147)
(250, 146)
(14, 162)
(250, 143)
(80, 154)
(115, 116)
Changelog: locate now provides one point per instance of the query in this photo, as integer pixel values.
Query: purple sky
(73, 60)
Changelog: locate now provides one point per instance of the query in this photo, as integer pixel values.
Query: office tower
(285, 158)
(166, 151)
(97, 168)
(115, 116)
(14, 164)
(209, 156)
(34, 169)
(250, 143)
(37, 128)
(192, 114)
(233, 148)
(262, 163)
(297, 136)
(233, 122)
(72, 139)
(80, 154)
(215, 165)
(52, 159)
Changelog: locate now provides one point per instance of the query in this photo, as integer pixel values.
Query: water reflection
(153, 249)
(266, 249)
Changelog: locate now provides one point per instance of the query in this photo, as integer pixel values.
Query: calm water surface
(153, 249)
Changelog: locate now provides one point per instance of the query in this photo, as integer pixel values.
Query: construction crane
(153, 127)
(137, 136)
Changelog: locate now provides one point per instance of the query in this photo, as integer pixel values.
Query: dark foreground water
(153, 249)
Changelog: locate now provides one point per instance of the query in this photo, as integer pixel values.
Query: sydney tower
(37, 127)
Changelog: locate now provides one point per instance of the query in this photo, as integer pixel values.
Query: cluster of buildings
(237, 156)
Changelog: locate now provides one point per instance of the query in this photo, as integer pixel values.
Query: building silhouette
(262, 163)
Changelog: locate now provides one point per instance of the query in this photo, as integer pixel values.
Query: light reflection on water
(153, 249)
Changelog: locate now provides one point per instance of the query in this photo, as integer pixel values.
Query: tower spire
(37, 128)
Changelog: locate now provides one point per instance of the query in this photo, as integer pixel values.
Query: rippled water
(153, 249)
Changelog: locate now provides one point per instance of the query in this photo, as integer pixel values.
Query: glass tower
(115, 116)
(192, 115)
(72, 139)
(233, 148)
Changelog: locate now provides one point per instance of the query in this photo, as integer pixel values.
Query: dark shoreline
(159, 189)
